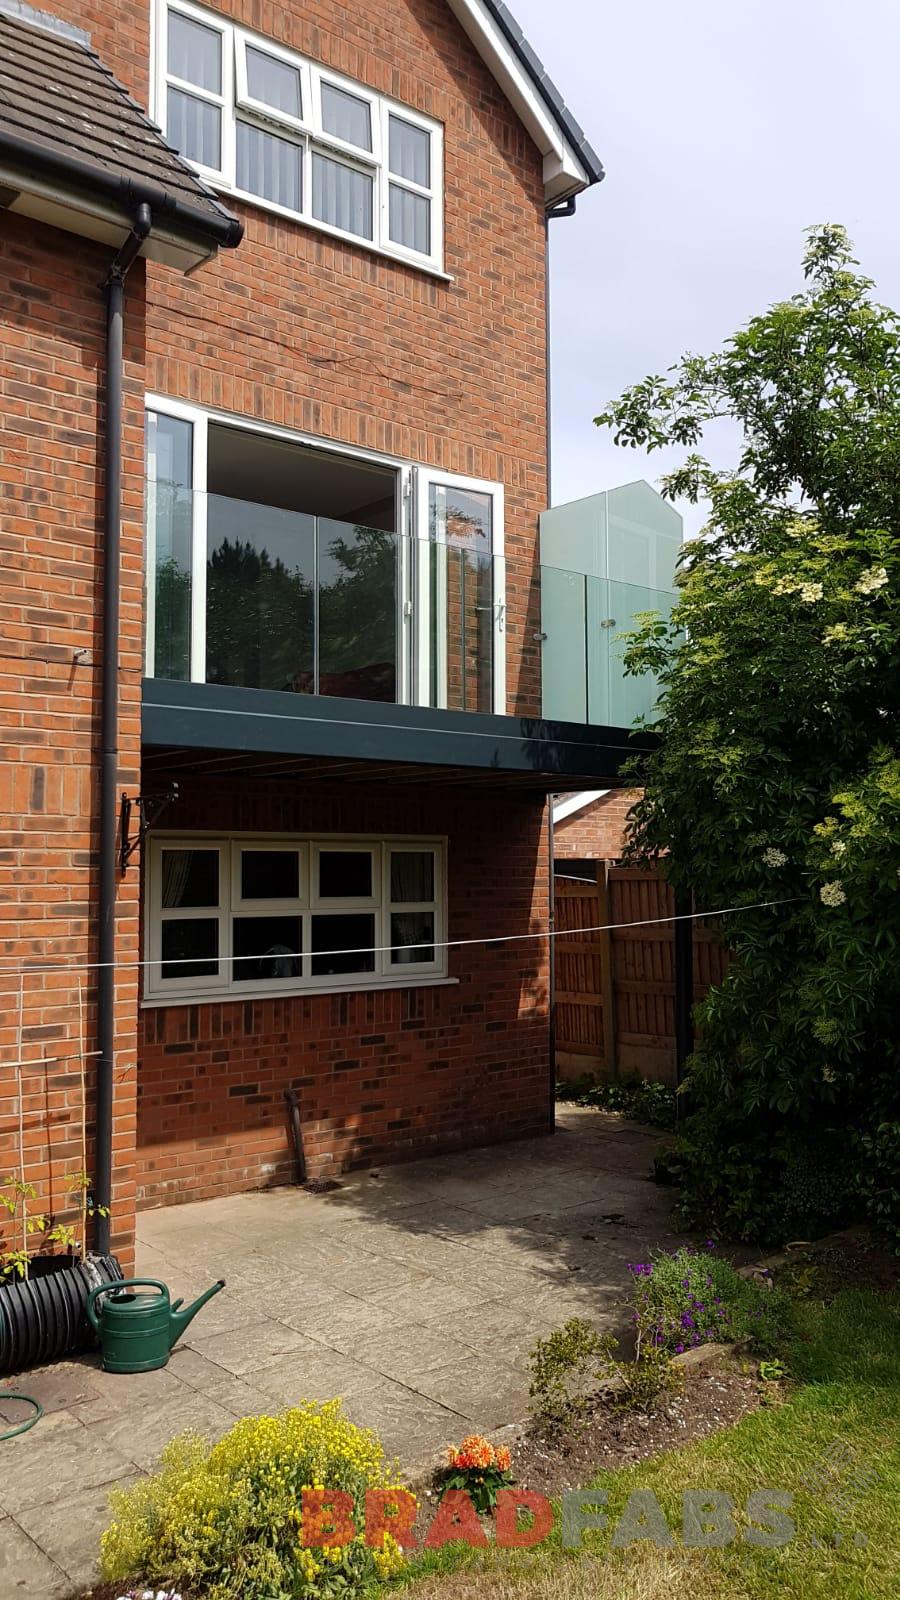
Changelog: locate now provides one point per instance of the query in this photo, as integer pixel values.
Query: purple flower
(687, 1320)
(679, 1348)
(710, 1244)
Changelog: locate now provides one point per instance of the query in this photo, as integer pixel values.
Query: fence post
(607, 985)
(684, 985)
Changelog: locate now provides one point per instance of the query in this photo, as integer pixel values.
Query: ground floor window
(247, 914)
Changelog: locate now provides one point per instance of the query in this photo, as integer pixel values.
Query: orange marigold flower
(502, 1458)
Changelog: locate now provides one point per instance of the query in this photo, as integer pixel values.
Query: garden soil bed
(609, 1437)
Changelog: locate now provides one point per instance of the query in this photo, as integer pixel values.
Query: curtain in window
(346, 116)
(412, 876)
(410, 152)
(274, 83)
(195, 53)
(268, 166)
(410, 220)
(194, 127)
(342, 196)
(175, 873)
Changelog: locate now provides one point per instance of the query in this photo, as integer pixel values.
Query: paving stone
(140, 1433)
(56, 1388)
(68, 1531)
(57, 1457)
(244, 1350)
(25, 1569)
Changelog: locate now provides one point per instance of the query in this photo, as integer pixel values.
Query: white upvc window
(270, 126)
(269, 914)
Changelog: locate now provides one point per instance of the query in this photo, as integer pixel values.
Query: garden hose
(21, 1427)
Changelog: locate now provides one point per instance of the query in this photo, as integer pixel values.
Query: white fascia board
(563, 171)
(576, 802)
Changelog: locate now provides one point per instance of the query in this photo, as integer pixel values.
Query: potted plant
(46, 1275)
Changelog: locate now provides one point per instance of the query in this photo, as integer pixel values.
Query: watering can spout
(178, 1320)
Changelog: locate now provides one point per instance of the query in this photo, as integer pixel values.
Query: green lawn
(837, 1438)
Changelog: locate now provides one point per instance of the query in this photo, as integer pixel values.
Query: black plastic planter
(42, 1317)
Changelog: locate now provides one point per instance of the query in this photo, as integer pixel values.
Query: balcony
(286, 601)
(584, 622)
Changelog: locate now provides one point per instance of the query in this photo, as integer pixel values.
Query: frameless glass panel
(270, 875)
(342, 196)
(269, 166)
(190, 947)
(170, 504)
(358, 611)
(342, 943)
(190, 878)
(273, 83)
(412, 876)
(260, 582)
(410, 220)
(412, 937)
(194, 127)
(346, 116)
(410, 152)
(266, 949)
(345, 874)
(195, 53)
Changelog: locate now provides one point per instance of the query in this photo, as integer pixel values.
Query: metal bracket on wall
(149, 808)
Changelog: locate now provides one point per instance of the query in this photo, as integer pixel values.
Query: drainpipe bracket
(149, 808)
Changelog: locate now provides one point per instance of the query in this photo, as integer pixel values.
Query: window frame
(307, 131)
(387, 974)
(414, 480)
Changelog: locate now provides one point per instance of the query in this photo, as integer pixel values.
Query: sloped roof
(64, 118)
(570, 162)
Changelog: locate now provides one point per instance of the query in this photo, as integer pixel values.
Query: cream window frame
(159, 990)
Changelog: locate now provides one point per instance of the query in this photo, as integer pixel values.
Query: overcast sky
(724, 132)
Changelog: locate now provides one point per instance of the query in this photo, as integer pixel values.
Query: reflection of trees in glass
(357, 612)
(172, 629)
(259, 620)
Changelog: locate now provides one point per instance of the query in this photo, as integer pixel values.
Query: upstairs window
(270, 126)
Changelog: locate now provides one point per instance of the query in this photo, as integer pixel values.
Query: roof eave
(80, 190)
(570, 163)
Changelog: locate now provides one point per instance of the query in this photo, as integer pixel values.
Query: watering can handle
(113, 1288)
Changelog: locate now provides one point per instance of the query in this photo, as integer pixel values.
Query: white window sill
(399, 257)
(273, 992)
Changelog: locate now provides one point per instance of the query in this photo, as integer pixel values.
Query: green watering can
(137, 1331)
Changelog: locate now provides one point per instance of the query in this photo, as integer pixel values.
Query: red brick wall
(51, 378)
(598, 832)
(386, 1074)
(331, 339)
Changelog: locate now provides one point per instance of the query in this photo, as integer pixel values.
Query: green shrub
(572, 1362)
(226, 1520)
(565, 1367)
(687, 1297)
(639, 1099)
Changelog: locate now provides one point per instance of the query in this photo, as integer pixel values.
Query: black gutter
(212, 228)
(114, 288)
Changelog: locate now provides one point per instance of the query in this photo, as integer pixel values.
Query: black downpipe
(684, 987)
(114, 287)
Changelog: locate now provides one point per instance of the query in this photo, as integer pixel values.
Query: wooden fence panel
(618, 1016)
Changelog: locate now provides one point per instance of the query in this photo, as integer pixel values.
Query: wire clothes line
(369, 950)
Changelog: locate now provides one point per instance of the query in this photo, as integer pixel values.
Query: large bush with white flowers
(778, 773)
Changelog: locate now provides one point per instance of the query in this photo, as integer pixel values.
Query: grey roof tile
(57, 95)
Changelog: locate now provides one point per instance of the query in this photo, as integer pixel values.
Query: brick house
(591, 826)
(271, 747)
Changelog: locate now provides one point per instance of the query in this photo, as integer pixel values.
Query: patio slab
(415, 1293)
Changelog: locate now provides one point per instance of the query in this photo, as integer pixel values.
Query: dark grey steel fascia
(258, 721)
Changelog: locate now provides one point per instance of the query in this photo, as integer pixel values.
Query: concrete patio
(414, 1292)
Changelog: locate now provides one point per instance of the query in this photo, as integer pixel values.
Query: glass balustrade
(584, 621)
(257, 597)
